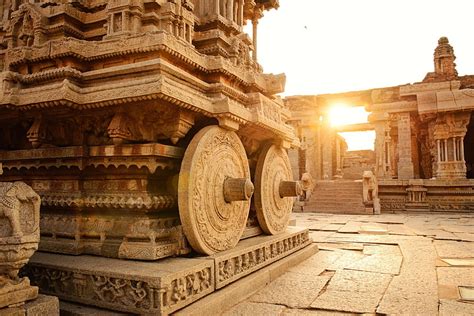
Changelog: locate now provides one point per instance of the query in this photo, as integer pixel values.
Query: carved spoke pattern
(210, 224)
(273, 211)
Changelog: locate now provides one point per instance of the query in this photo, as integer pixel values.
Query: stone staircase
(337, 196)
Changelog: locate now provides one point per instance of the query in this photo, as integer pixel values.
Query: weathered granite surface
(407, 270)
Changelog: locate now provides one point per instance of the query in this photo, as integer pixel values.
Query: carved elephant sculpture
(370, 186)
(12, 195)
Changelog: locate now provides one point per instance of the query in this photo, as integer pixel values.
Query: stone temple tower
(445, 68)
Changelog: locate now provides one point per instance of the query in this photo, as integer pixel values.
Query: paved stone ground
(411, 264)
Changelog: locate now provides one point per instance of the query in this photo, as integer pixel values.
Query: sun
(341, 114)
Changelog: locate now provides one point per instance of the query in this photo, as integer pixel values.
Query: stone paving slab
(375, 228)
(336, 245)
(317, 225)
(378, 263)
(345, 260)
(320, 236)
(361, 238)
(416, 248)
(391, 250)
(460, 262)
(459, 228)
(251, 308)
(465, 236)
(292, 290)
(317, 264)
(332, 227)
(353, 291)
(389, 219)
(450, 308)
(444, 235)
(350, 227)
(450, 278)
(397, 229)
(414, 291)
(454, 249)
(313, 312)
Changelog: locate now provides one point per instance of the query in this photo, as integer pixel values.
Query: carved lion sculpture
(12, 195)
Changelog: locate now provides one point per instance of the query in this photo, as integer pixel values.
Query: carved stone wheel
(274, 189)
(214, 190)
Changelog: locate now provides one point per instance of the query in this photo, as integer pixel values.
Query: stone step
(335, 196)
(336, 211)
(355, 191)
(341, 197)
(333, 207)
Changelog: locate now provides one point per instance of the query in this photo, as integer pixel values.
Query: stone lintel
(425, 87)
(394, 107)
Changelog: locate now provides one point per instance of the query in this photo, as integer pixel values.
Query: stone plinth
(157, 287)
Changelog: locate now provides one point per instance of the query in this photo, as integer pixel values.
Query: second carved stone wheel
(274, 189)
(214, 190)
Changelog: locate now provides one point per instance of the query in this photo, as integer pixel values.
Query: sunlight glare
(359, 140)
(341, 114)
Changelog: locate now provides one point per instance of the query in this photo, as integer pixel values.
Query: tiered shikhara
(143, 125)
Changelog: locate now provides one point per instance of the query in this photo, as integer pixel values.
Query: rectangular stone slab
(129, 286)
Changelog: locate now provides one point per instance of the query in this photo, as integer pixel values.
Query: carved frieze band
(156, 296)
(147, 202)
(234, 266)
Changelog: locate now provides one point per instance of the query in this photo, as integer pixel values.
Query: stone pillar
(327, 141)
(254, 38)
(405, 162)
(338, 158)
(383, 150)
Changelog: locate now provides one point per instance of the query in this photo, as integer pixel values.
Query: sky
(328, 46)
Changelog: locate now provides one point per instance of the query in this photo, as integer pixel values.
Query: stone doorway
(469, 148)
